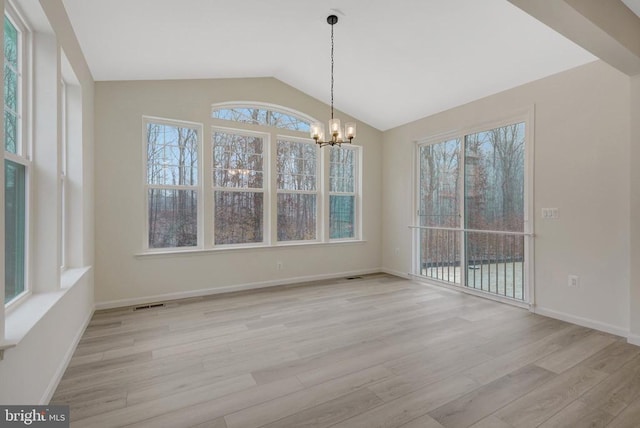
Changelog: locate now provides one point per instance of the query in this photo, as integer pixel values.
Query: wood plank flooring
(378, 351)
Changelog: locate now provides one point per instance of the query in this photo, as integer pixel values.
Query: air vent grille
(151, 306)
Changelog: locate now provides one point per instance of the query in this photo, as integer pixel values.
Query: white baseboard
(585, 322)
(51, 389)
(111, 304)
(633, 339)
(396, 273)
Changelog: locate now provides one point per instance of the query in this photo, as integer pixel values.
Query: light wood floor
(373, 352)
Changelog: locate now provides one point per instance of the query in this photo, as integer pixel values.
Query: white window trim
(23, 139)
(62, 215)
(266, 180)
(198, 188)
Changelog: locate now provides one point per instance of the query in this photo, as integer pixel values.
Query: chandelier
(336, 135)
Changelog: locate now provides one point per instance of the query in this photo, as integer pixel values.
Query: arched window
(262, 114)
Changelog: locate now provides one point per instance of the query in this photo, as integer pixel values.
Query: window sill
(22, 319)
(247, 248)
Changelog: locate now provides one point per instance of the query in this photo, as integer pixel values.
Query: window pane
(173, 218)
(238, 217)
(296, 217)
(342, 170)
(439, 176)
(342, 211)
(297, 165)
(261, 116)
(494, 179)
(14, 223)
(10, 89)
(237, 161)
(10, 132)
(10, 43)
(172, 155)
(10, 86)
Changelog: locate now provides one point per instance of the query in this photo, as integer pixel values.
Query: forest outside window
(297, 190)
(16, 163)
(342, 192)
(266, 183)
(238, 182)
(172, 183)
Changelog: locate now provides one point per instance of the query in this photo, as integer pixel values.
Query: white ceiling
(634, 5)
(395, 61)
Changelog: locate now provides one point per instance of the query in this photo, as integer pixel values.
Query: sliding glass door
(472, 228)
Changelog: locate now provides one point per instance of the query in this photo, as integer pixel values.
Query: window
(172, 183)
(16, 164)
(342, 192)
(471, 220)
(264, 173)
(297, 190)
(70, 167)
(267, 116)
(238, 183)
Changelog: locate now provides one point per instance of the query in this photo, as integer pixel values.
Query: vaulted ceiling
(394, 62)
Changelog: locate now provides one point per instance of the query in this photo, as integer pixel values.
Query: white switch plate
(550, 213)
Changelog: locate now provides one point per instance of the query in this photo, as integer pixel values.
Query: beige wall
(121, 277)
(582, 127)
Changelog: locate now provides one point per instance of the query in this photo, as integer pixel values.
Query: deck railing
(493, 262)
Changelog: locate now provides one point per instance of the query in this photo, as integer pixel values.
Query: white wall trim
(396, 273)
(57, 377)
(633, 339)
(585, 322)
(110, 304)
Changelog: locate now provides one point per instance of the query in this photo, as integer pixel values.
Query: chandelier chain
(337, 135)
(331, 71)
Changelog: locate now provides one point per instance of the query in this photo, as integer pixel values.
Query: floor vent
(154, 305)
(354, 277)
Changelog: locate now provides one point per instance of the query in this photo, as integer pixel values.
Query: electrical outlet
(279, 265)
(574, 281)
(396, 251)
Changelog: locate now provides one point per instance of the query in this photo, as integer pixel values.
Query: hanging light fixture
(336, 135)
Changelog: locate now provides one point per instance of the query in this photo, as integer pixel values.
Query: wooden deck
(373, 352)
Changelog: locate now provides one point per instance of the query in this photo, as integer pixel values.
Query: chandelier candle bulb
(334, 126)
(317, 131)
(350, 128)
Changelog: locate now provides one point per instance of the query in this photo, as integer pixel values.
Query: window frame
(266, 180)
(357, 192)
(23, 139)
(197, 188)
(317, 192)
(64, 192)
